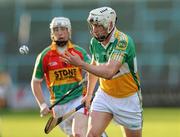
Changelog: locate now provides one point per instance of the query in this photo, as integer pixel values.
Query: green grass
(158, 122)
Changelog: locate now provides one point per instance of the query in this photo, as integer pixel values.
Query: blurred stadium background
(154, 25)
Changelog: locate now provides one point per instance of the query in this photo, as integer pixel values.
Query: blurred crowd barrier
(154, 25)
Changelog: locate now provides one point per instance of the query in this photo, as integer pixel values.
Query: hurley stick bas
(53, 122)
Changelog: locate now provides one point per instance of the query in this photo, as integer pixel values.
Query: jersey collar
(112, 39)
(54, 46)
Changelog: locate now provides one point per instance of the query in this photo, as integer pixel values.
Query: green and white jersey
(121, 48)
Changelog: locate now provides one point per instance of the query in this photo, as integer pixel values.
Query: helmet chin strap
(103, 38)
(61, 43)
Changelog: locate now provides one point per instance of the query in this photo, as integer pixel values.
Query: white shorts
(126, 111)
(60, 110)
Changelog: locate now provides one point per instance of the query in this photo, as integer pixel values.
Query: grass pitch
(158, 122)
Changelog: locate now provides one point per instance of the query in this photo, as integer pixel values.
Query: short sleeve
(38, 68)
(119, 53)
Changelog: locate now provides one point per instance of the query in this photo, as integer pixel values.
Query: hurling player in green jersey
(61, 77)
(114, 64)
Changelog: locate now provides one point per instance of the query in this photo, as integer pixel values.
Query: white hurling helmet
(60, 22)
(103, 16)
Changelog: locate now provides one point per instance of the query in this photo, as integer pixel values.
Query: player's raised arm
(107, 70)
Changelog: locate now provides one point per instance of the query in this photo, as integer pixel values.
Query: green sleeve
(119, 52)
(86, 57)
(124, 50)
(38, 68)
